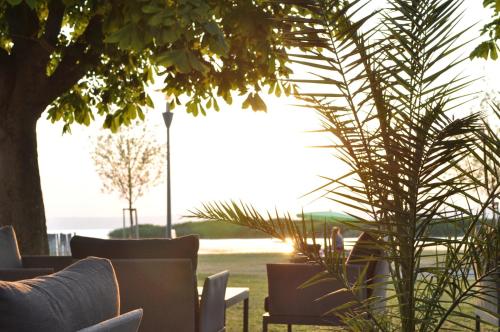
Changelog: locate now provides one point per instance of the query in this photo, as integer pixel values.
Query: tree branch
(54, 22)
(23, 27)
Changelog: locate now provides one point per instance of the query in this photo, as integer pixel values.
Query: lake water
(215, 246)
(222, 246)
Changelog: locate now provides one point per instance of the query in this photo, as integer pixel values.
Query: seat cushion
(79, 296)
(9, 252)
(182, 247)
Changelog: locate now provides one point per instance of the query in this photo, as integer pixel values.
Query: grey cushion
(9, 252)
(79, 296)
(128, 322)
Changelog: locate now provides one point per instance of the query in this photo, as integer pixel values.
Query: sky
(260, 158)
(235, 154)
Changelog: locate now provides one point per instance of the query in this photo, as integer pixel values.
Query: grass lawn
(249, 270)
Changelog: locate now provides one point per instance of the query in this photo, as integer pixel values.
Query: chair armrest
(57, 263)
(128, 322)
(213, 304)
(22, 273)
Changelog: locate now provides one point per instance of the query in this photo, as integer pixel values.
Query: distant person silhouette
(337, 240)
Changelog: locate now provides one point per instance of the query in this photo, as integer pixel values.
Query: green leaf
(481, 51)
(213, 29)
(277, 92)
(131, 111)
(66, 128)
(87, 118)
(196, 64)
(218, 45)
(150, 75)
(192, 107)
(107, 121)
(31, 3)
(156, 19)
(140, 113)
(149, 101)
(150, 9)
(170, 35)
(248, 101)
(216, 106)
(177, 58)
(493, 50)
(257, 103)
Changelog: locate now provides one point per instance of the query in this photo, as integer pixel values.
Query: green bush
(146, 231)
(218, 230)
(206, 230)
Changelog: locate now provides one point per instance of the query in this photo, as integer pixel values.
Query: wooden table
(235, 295)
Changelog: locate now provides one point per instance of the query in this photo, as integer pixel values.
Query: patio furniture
(212, 303)
(181, 247)
(158, 275)
(9, 252)
(164, 288)
(290, 304)
(235, 295)
(81, 296)
(128, 322)
(14, 267)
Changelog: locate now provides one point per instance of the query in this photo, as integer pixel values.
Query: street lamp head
(167, 117)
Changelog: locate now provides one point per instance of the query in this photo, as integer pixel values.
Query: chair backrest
(163, 288)
(128, 322)
(9, 252)
(287, 298)
(380, 278)
(367, 251)
(213, 305)
(182, 247)
(57, 263)
(137, 268)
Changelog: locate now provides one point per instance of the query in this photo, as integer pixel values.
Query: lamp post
(167, 117)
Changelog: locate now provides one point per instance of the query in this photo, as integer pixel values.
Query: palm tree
(387, 89)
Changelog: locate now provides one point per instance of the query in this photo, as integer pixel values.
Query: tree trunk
(21, 201)
(25, 92)
(131, 216)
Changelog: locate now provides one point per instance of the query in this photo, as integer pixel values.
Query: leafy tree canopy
(99, 55)
(489, 48)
